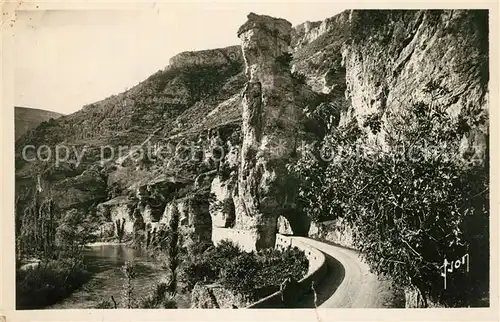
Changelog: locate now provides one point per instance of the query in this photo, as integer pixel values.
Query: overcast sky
(68, 58)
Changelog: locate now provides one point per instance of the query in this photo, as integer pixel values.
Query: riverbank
(40, 284)
(96, 244)
(30, 263)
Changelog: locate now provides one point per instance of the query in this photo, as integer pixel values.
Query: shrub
(277, 265)
(159, 299)
(285, 60)
(410, 206)
(49, 282)
(242, 272)
(104, 304)
(299, 77)
(239, 273)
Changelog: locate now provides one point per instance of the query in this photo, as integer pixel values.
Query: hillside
(26, 118)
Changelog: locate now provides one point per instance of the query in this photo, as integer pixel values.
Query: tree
(129, 270)
(74, 232)
(173, 250)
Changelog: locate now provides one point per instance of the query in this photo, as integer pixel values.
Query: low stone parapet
(315, 273)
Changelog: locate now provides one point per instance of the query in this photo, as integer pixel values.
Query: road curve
(348, 282)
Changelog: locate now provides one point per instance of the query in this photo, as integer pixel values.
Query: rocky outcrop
(407, 57)
(336, 231)
(80, 191)
(270, 127)
(221, 56)
(195, 222)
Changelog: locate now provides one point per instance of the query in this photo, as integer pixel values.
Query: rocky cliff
(434, 57)
(270, 127)
(387, 61)
(222, 57)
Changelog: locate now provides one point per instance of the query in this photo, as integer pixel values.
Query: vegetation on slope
(254, 275)
(49, 282)
(412, 205)
(28, 118)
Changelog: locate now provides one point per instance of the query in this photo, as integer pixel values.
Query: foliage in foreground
(161, 297)
(49, 282)
(249, 274)
(412, 202)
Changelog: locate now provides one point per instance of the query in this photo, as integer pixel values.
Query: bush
(49, 282)
(239, 274)
(278, 265)
(412, 205)
(242, 272)
(299, 77)
(159, 299)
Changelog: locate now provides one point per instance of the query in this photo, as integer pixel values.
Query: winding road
(348, 282)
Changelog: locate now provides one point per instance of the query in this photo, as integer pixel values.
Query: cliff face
(318, 53)
(385, 62)
(212, 57)
(305, 33)
(270, 126)
(421, 56)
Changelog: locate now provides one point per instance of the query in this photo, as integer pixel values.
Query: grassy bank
(49, 282)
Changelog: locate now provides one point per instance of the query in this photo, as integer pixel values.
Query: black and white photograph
(240, 155)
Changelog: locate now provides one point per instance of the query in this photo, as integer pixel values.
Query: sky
(67, 58)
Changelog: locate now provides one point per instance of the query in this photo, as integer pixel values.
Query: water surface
(105, 262)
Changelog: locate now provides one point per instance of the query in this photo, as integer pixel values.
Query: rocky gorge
(224, 126)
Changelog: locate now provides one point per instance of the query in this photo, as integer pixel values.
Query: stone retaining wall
(242, 238)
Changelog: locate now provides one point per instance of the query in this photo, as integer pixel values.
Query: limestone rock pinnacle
(270, 126)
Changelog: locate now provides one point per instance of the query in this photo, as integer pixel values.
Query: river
(105, 262)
